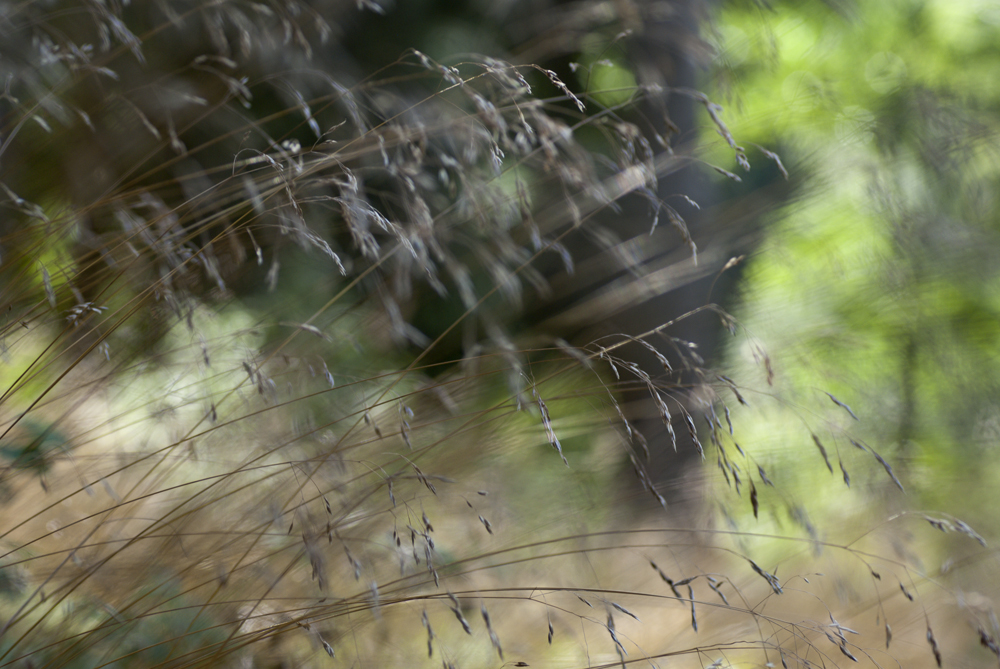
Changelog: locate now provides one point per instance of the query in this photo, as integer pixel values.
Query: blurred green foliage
(878, 282)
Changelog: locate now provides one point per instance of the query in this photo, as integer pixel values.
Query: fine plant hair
(224, 440)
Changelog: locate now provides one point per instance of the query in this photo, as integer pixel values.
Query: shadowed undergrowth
(226, 444)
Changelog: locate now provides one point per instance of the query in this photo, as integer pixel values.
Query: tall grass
(225, 442)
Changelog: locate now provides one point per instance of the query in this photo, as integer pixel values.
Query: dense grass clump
(225, 442)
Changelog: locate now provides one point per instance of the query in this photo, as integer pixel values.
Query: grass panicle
(235, 427)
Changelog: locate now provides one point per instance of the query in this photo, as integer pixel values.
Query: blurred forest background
(876, 281)
(515, 333)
